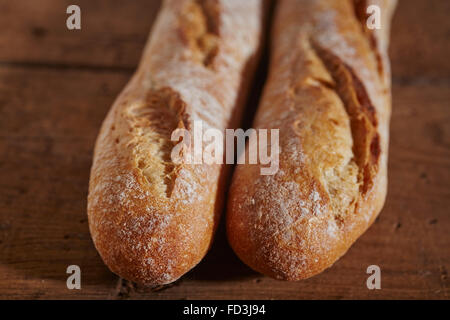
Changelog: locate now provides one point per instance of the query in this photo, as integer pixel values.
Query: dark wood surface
(55, 89)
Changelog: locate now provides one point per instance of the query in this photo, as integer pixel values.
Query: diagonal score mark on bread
(163, 111)
(366, 142)
(200, 29)
(151, 124)
(361, 169)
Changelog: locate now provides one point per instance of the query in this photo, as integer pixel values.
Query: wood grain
(55, 89)
(112, 33)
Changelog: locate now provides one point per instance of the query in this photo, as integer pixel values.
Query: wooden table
(56, 86)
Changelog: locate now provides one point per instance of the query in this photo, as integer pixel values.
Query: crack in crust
(200, 30)
(151, 125)
(362, 114)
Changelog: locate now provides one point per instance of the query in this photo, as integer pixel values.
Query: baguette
(328, 91)
(152, 220)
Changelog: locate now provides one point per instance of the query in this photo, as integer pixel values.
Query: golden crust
(152, 220)
(328, 92)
